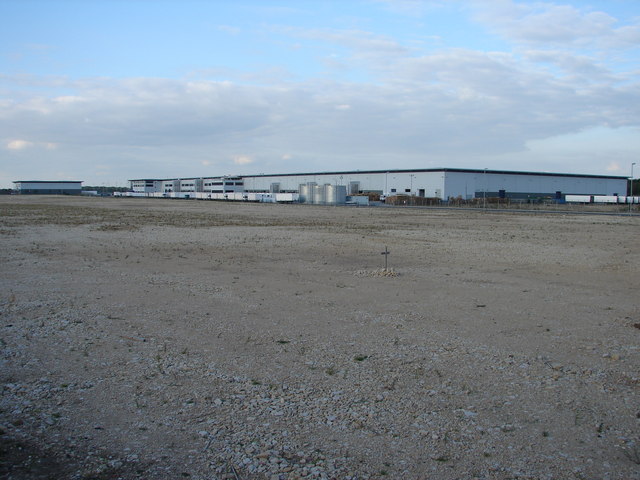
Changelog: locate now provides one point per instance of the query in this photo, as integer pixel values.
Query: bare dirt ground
(182, 339)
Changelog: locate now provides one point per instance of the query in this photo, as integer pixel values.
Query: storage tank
(306, 192)
(319, 194)
(335, 194)
(303, 191)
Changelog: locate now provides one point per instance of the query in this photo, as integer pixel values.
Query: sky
(105, 90)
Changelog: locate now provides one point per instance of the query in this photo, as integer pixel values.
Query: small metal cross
(386, 255)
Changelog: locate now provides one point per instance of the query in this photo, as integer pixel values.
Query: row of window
(222, 183)
(152, 184)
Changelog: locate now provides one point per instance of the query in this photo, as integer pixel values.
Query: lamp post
(484, 196)
(631, 187)
(411, 189)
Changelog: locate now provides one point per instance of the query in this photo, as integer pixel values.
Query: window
(407, 190)
(393, 190)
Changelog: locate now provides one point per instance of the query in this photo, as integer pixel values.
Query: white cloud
(614, 167)
(242, 160)
(19, 144)
(364, 47)
(67, 99)
(455, 105)
(555, 24)
(25, 144)
(569, 62)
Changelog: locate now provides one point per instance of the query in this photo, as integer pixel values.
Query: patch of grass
(360, 358)
(283, 342)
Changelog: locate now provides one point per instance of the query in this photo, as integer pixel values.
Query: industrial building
(35, 187)
(224, 184)
(447, 183)
(442, 183)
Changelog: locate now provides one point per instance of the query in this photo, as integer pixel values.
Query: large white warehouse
(440, 183)
(446, 183)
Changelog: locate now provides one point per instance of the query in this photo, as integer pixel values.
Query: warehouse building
(40, 187)
(447, 183)
(224, 184)
(442, 184)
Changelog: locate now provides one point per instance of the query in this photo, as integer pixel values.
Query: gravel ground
(180, 339)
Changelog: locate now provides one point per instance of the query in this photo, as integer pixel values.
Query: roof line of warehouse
(48, 181)
(427, 170)
(419, 170)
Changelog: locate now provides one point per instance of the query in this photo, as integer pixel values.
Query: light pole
(631, 187)
(484, 195)
(411, 188)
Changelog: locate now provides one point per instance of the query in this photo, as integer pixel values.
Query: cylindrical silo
(319, 197)
(303, 193)
(335, 194)
(329, 194)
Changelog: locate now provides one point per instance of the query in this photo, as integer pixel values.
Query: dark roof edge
(427, 170)
(414, 170)
(48, 181)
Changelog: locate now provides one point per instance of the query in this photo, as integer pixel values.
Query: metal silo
(335, 194)
(329, 194)
(319, 194)
(303, 193)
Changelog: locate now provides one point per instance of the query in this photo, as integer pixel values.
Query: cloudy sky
(105, 90)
